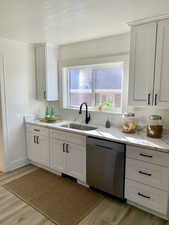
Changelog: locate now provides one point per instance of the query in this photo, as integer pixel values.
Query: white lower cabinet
(67, 157)
(60, 151)
(76, 162)
(38, 148)
(147, 179)
(58, 159)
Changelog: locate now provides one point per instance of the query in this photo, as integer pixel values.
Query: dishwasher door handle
(104, 147)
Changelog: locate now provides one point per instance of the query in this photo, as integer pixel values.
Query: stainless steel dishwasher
(106, 166)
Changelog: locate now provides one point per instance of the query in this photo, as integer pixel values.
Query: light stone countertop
(113, 134)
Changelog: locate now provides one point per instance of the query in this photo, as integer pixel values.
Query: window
(100, 86)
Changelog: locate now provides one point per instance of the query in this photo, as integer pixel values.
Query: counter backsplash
(99, 118)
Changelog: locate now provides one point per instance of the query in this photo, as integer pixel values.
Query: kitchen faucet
(87, 118)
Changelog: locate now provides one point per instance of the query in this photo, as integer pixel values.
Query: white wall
(103, 47)
(19, 96)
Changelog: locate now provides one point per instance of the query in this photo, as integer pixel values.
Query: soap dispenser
(107, 124)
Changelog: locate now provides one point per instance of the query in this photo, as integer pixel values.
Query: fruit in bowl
(51, 118)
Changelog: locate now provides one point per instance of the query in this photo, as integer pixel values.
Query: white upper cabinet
(149, 67)
(161, 90)
(142, 56)
(46, 72)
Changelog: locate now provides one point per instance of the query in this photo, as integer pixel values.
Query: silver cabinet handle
(36, 130)
(63, 147)
(144, 173)
(67, 148)
(149, 98)
(145, 155)
(144, 196)
(34, 139)
(37, 139)
(155, 101)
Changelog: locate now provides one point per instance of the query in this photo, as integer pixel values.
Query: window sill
(94, 110)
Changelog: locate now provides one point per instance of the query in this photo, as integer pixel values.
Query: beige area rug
(61, 200)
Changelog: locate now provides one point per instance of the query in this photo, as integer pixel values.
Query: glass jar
(129, 123)
(154, 126)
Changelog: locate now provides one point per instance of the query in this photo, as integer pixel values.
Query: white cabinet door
(46, 72)
(38, 149)
(161, 91)
(76, 161)
(58, 155)
(51, 74)
(31, 147)
(142, 57)
(43, 150)
(40, 64)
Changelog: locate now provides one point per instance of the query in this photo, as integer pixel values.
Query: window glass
(100, 88)
(80, 87)
(108, 87)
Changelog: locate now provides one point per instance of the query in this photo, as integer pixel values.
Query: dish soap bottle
(107, 124)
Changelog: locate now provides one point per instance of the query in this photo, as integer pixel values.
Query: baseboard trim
(148, 210)
(17, 164)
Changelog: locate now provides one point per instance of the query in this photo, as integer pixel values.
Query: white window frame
(114, 60)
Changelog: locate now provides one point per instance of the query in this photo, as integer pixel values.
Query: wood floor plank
(139, 217)
(16, 174)
(109, 212)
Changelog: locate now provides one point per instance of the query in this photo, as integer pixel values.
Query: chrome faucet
(87, 118)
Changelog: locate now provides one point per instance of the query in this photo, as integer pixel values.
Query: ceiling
(65, 21)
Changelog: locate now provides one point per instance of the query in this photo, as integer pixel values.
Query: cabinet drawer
(59, 135)
(146, 196)
(147, 155)
(77, 139)
(147, 173)
(69, 137)
(37, 130)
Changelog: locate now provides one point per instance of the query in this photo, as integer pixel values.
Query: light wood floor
(14, 211)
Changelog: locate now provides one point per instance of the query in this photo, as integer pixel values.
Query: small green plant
(108, 105)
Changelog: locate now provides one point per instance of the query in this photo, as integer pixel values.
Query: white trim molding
(149, 19)
(17, 164)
